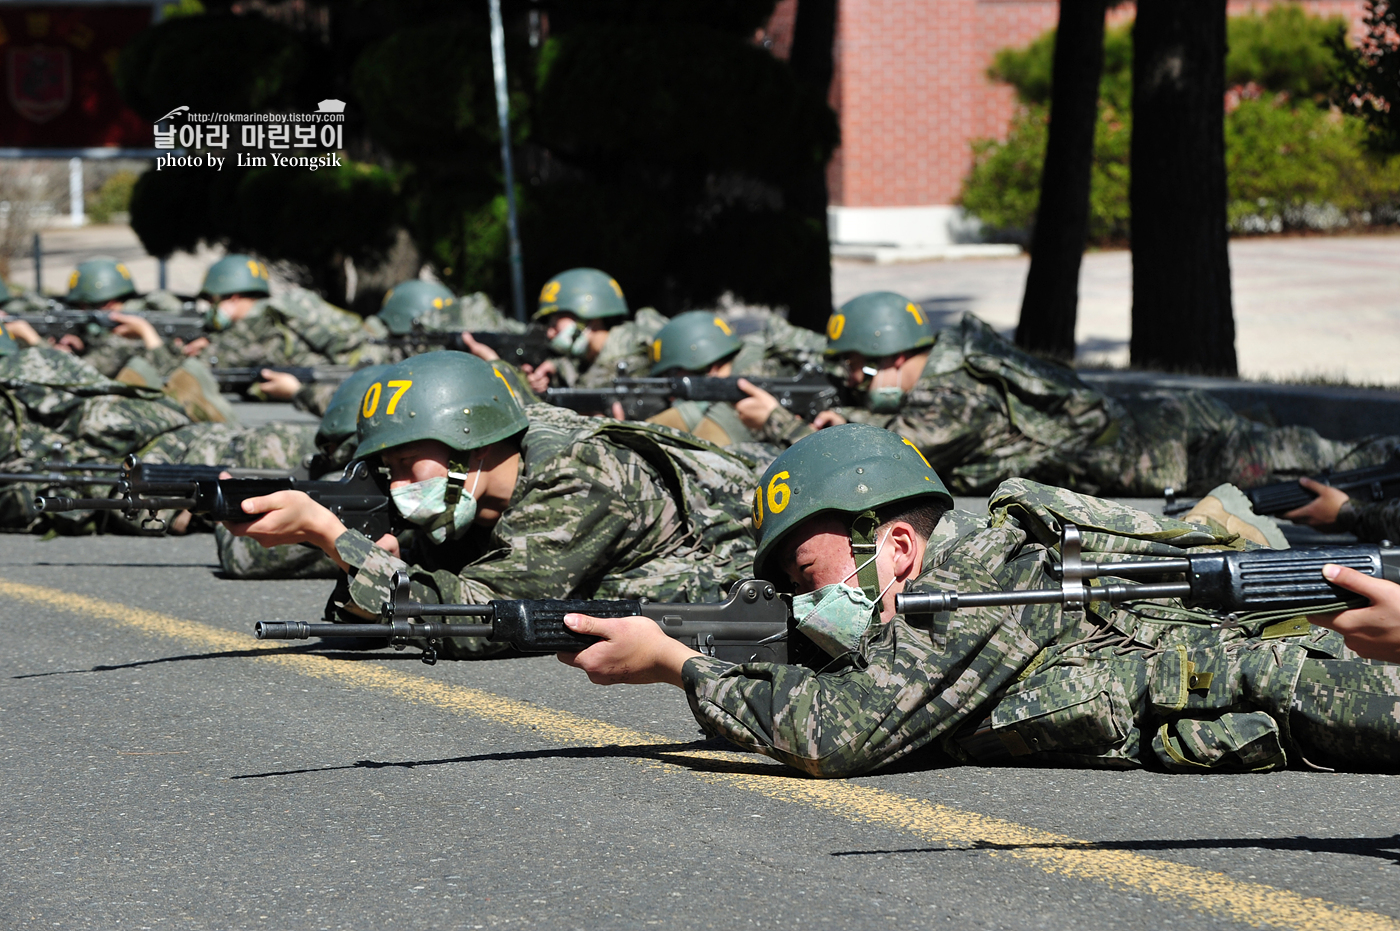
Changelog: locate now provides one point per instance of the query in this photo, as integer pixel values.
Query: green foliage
(114, 196)
(1285, 157)
(1284, 50)
(1368, 79)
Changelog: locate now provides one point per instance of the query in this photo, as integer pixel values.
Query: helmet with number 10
(586, 293)
(844, 471)
(452, 397)
(877, 325)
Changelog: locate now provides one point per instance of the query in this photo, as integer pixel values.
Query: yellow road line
(1179, 885)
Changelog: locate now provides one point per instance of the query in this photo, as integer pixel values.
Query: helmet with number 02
(408, 300)
(693, 341)
(876, 325)
(586, 293)
(99, 280)
(235, 274)
(843, 470)
(452, 397)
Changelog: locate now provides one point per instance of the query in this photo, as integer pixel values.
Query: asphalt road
(162, 769)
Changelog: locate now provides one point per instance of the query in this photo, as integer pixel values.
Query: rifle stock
(241, 380)
(58, 320)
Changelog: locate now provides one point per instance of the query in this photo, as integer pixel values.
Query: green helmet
(848, 470)
(343, 409)
(584, 292)
(693, 341)
(408, 300)
(5, 292)
(99, 280)
(876, 325)
(453, 397)
(8, 346)
(235, 274)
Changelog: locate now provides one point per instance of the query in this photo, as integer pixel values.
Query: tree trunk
(1182, 318)
(811, 60)
(1051, 299)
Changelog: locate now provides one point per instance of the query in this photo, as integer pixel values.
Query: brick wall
(912, 93)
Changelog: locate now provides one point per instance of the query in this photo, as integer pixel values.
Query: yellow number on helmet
(656, 350)
(402, 386)
(262, 271)
(910, 443)
(719, 322)
(122, 270)
(505, 382)
(371, 400)
(757, 508)
(835, 326)
(73, 280)
(253, 269)
(615, 286)
(549, 293)
(914, 309)
(779, 494)
(437, 303)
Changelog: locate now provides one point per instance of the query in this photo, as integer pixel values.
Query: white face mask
(571, 340)
(836, 617)
(425, 504)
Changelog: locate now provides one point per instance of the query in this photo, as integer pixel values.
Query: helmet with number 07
(876, 325)
(846, 471)
(452, 397)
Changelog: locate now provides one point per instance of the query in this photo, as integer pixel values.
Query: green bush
(1291, 162)
(114, 196)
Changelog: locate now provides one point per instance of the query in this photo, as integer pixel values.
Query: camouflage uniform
(474, 313)
(1371, 521)
(109, 353)
(294, 328)
(984, 411)
(1111, 687)
(56, 406)
(600, 510)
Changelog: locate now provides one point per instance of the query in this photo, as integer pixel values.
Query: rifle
(58, 320)
(1370, 483)
(59, 474)
(806, 394)
(356, 497)
(751, 625)
(240, 380)
(528, 348)
(1231, 582)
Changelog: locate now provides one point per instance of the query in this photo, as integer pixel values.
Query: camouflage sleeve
(910, 692)
(315, 397)
(783, 428)
(1371, 521)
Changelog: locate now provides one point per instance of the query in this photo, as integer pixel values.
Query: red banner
(58, 64)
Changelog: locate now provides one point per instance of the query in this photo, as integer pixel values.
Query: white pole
(75, 191)
(498, 67)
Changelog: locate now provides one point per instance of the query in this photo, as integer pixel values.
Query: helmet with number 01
(692, 341)
(99, 280)
(586, 293)
(876, 325)
(843, 470)
(408, 300)
(235, 274)
(453, 397)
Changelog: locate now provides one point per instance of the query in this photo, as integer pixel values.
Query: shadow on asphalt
(223, 654)
(1381, 848)
(673, 753)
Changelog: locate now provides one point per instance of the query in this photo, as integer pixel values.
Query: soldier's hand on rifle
(136, 327)
(195, 346)
(480, 350)
(539, 376)
(22, 332)
(278, 386)
(69, 342)
(291, 517)
(1373, 631)
(633, 650)
(1321, 512)
(754, 410)
(827, 419)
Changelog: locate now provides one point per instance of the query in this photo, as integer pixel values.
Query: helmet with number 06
(692, 341)
(453, 397)
(408, 300)
(235, 274)
(100, 280)
(843, 470)
(876, 325)
(586, 293)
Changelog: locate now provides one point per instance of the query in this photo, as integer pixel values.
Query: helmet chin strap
(864, 546)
